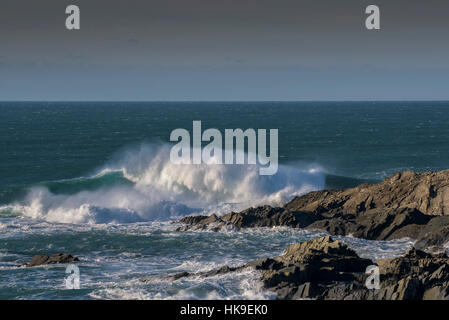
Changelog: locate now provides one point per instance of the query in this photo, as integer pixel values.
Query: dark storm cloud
(231, 50)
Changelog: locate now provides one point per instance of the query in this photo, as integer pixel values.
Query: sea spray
(159, 189)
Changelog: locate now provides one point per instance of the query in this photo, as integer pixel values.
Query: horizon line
(228, 101)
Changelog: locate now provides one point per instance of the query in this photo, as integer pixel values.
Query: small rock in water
(40, 259)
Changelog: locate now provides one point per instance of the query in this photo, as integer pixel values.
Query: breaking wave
(141, 184)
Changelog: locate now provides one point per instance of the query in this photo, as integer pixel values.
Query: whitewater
(119, 222)
(143, 185)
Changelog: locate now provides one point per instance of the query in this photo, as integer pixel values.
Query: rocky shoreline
(326, 269)
(408, 204)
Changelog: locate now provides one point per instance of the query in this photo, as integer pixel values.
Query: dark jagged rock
(406, 204)
(53, 259)
(434, 235)
(326, 269)
(399, 206)
(265, 216)
(212, 223)
(427, 192)
(416, 275)
(309, 269)
(211, 273)
(376, 224)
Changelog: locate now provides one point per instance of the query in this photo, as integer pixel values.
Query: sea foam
(159, 189)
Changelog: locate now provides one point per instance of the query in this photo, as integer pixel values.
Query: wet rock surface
(309, 269)
(435, 235)
(428, 192)
(406, 204)
(326, 269)
(40, 259)
(414, 276)
(265, 216)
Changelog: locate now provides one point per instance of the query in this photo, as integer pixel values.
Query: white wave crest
(163, 190)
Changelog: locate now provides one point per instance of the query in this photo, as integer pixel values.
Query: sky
(228, 50)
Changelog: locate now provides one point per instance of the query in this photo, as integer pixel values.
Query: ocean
(94, 179)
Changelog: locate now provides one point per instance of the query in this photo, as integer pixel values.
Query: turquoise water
(94, 180)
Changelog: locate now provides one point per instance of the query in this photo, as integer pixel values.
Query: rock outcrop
(434, 235)
(310, 269)
(414, 276)
(427, 192)
(406, 204)
(376, 224)
(265, 216)
(326, 269)
(39, 259)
